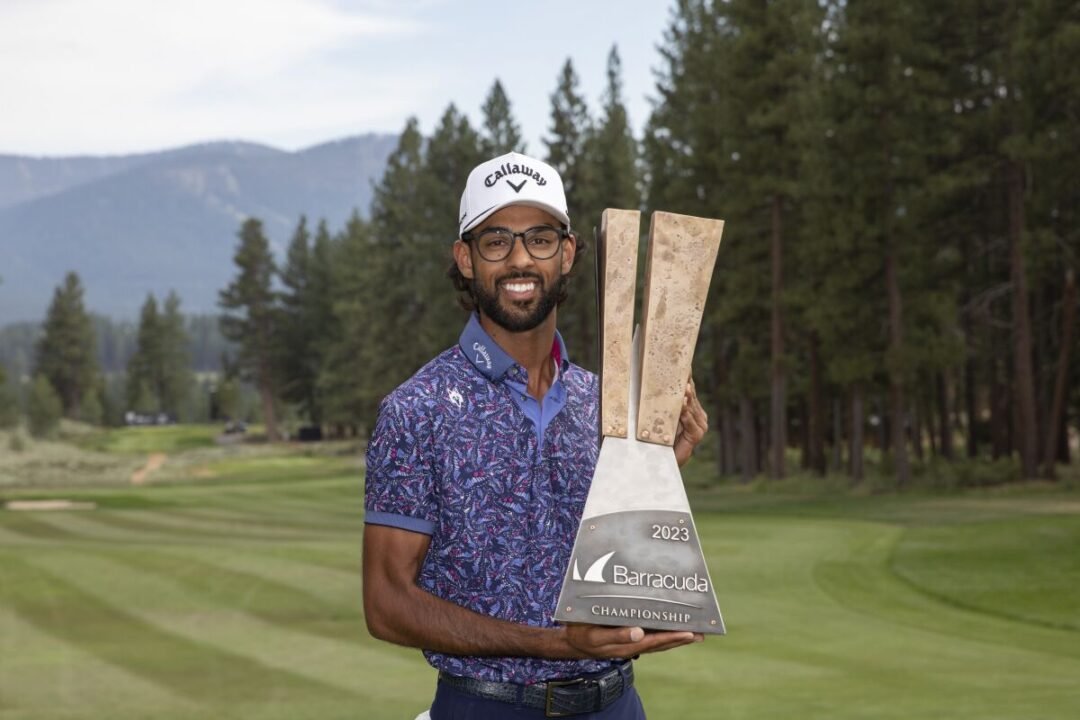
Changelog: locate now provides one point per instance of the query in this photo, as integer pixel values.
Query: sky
(101, 77)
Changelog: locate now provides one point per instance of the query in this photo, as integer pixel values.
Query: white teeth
(519, 287)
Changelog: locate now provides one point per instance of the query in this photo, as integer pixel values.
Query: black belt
(557, 698)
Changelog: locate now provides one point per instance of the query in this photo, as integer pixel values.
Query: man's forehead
(515, 215)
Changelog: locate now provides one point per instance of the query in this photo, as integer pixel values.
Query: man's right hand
(598, 641)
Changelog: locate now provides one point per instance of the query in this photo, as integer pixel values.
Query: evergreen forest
(895, 291)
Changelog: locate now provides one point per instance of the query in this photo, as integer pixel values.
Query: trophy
(637, 559)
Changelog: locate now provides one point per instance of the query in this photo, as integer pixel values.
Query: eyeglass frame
(468, 236)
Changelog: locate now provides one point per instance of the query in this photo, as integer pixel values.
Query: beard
(527, 319)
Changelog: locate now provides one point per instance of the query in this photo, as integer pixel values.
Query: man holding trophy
(479, 468)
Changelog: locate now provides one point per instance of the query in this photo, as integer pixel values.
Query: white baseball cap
(511, 179)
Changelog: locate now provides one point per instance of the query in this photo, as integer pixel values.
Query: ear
(568, 253)
(463, 258)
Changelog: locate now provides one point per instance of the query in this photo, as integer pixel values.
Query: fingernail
(636, 634)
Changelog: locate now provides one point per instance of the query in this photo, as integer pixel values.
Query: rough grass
(231, 589)
(143, 440)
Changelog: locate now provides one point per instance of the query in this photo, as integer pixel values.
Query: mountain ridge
(166, 220)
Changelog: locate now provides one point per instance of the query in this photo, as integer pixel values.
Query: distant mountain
(135, 224)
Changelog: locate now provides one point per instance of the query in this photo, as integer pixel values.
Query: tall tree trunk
(816, 409)
(265, 381)
(838, 436)
(727, 437)
(747, 438)
(917, 429)
(944, 416)
(727, 456)
(968, 328)
(855, 453)
(1000, 410)
(1024, 377)
(1057, 408)
(970, 408)
(804, 435)
(896, 382)
(932, 430)
(266, 395)
(778, 406)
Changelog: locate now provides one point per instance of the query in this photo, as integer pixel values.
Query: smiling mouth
(519, 289)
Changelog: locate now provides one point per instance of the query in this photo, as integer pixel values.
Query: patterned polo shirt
(461, 452)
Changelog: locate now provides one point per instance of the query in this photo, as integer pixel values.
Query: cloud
(123, 74)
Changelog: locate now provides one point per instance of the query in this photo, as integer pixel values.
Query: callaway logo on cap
(511, 179)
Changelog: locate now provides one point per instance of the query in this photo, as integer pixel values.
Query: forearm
(413, 617)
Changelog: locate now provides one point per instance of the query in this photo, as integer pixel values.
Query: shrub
(43, 408)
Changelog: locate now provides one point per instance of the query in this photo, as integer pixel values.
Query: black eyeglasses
(495, 244)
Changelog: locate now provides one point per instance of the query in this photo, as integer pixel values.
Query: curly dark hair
(464, 287)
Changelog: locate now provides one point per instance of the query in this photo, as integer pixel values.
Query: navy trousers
(452, 704)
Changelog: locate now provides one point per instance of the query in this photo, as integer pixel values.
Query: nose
(519, 257)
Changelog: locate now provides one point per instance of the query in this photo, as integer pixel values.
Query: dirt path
(154, 462)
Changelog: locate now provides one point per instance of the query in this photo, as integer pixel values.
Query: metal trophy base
(637, 560)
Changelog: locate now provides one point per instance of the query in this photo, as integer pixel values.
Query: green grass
(143, 440)
(231, 589)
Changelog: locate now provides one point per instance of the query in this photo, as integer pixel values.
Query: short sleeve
(399, 489)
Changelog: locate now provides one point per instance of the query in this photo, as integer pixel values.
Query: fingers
(604, 642)
(693, 424)
(693, 420)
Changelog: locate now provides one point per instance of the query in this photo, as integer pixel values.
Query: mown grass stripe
(42, 676)
(173, 517)
(82, 525)
(159, 524)
(262, 519)
(194, 669)
(342, 557)
(161, 600)
(32, 526)
(338, 587)
(269, 600)
(284, 505)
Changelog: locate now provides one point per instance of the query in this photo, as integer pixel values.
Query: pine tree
(320, 313)
(885, 55)
(452, 152)
(66, 353)
(568, 151)
(351, 377)
(177, 379)
(501, 132)
(694, 153)
(144, 368)
(383, 301)
(250, 316)
(294, 357)
(614, 150)
(769, 55)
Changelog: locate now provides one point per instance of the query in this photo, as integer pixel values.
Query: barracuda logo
(595, 573)
(622, 575)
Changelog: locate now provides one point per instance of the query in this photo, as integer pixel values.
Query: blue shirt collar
(489, 358)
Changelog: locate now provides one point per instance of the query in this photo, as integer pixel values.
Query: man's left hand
(693, 423)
